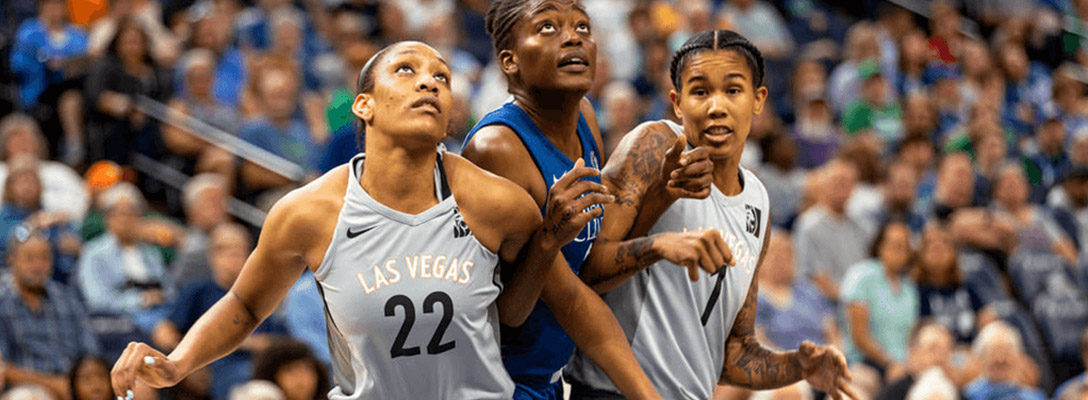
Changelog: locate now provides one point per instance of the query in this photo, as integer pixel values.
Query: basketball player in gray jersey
(404, 242)
(689, 335)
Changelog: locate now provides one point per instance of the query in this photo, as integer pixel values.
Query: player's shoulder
(485, 194)
(312, 205)
(494, 140)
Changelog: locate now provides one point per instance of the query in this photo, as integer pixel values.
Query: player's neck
(555, 113)
(400, 178)
(726, 175)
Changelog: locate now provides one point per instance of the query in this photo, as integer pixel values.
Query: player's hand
(695, 250)
(686, 174)
(140, 361)
(825, 369)
(568, 206)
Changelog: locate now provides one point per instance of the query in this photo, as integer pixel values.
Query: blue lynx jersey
(536, 352)
(410, 302)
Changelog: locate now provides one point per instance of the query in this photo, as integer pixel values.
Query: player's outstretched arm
(750, 365)
(648, 172)
(594, 329)
(278, 260)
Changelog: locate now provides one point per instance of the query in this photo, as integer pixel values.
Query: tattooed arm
(635, 175)
(750, 365)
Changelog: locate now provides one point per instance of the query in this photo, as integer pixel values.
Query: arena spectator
(304, 315)
(876, 111)
(896, 202)
(279, 128)
(815, 131)
(212, 31)
(205, 199)
(780, 175)
(913, 59)
(163, 46)
(89, 379)
(1048, 163)
(256, 390)
(826, 238)
(291, 366)
(118, 273)
(1006, 371)
(197, 99)
(845, 81)
(228, 246)
(622, 108)
(931, 346)
(62, 188)
(1076, 383)
(790, 310)
(22, 204)
(115, 127)
(46, 50)
(942, 293)
(933, 385)
(43, 325)
(881, 303)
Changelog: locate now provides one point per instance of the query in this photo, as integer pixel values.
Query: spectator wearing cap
(62, 188)
(117, 272)
(43, 325)
(1079, 383)
(1007, 373)
(1048, 162)
(22, 204)
(876, 110)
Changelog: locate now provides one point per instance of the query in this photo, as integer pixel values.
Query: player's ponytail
(717, 40)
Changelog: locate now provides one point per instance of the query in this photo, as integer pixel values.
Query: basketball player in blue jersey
(547, 53)
(404, 243)
(689, 336)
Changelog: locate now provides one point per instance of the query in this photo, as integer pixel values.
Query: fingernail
(149, 360)
(129, 395)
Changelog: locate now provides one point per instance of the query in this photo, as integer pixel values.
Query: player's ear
(761, 97)
(508, 61)
(674, 99)
(363, 107)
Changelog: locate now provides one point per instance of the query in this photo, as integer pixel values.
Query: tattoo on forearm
(631, 256)
(747, 363)
(642, 165)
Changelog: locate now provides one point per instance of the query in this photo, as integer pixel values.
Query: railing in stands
(216, 137)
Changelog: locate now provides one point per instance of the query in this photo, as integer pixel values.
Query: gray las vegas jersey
(410, 303)
(677, 328)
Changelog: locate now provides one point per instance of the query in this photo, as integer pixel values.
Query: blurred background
(927, 161)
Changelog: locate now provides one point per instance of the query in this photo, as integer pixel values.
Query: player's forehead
(724, 64)
(547, 7)
(414, 50)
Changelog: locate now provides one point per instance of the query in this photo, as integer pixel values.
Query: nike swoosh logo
(352, 235)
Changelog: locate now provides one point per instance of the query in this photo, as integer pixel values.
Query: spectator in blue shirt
(790, 310)
(229, 245)
(22, 204)
(43, 49)
(1007, 373)
(117, 272)
(43, 326)
(280, 129)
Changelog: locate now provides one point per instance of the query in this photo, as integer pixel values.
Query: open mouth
(574, 61)
(718, 134)
(429, 103)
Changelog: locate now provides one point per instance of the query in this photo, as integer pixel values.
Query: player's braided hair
(365, 84)
(717, 40)
(502, 16)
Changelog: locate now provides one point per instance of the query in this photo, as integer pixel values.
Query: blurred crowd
(927, 163)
